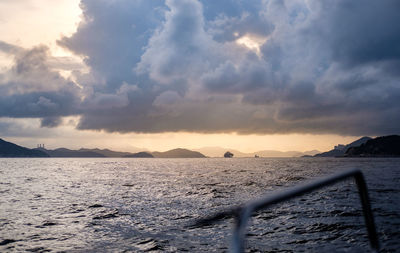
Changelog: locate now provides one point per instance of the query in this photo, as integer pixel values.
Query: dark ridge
(63, 152)
(340, 150)
(8, 149)
(84, 152)
(107, 152)
(385, 146)
(140, 155)
(178, 153)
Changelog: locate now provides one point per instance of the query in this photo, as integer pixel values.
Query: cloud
(32, 88)
(112, 37)
(9, 48)
(23, 128)
(265, 66)
(361, 39)
(51, 122)
(180, 47)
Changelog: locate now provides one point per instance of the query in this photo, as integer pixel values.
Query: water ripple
(130, 205)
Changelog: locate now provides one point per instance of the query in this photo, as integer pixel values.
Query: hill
(178, 153)
(64, 152)
(84, 152)
(340, 150)
(8, 149)
(140, 155)
(385, 146)
(219, 152)
(107, 152)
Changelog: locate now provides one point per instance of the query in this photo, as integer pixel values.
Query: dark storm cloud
(321, 62)
(37, 104)
(361, 33)
(183, 65)
(31, 89)
(113, 35)
(50, 122)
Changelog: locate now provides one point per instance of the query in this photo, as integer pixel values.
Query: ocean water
(145, 205)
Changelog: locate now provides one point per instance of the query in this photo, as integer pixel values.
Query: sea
(148, 205)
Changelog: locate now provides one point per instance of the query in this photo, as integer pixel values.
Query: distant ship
(256, 156)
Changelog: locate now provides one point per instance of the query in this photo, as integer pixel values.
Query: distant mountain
(107, 152)
(385, 146)
(8, 149)
(219, 152)
(274, 153)
(63, 152)
(340, 149)
(178, 153)
(311, 152)
(140, 155)
(331, 153)
(85, 152)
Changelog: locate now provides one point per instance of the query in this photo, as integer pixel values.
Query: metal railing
(243, 213)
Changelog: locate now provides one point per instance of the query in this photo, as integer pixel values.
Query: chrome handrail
(243, 213)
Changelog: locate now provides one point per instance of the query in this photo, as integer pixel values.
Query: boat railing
(243, 213)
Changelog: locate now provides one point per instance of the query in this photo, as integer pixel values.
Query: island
(228, 154)
(178, 153)
(8, 149)
(340, 149)
(140, 155)
(385, 146)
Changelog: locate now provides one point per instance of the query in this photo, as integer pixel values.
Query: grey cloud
(155, 66)
(9, 48)
(113, 35)
(32, 89)
(65, 63)
(228, 28)
(245, 78)
(178, 49)
(361, 33)
(12, 128)
(167, 98)
(26, 129)
(301, 77)
(39, 104)
(51, 122)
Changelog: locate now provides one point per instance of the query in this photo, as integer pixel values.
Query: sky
(250, 75)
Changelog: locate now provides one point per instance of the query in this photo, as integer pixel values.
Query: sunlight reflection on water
(107, 204)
